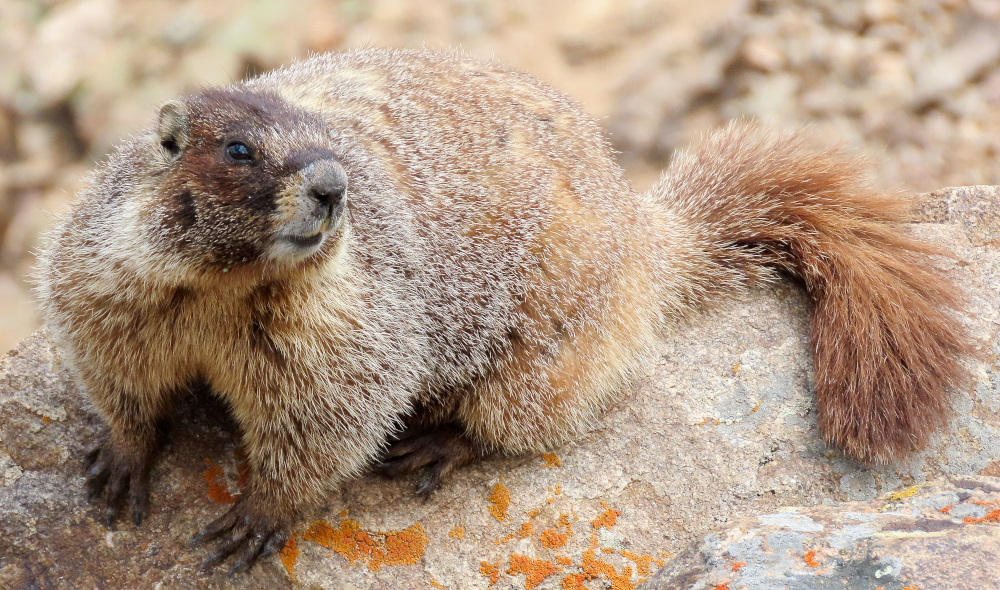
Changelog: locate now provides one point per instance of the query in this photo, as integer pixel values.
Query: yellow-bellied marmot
(373, 239)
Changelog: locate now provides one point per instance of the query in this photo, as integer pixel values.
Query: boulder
(943, 535)
(720, 429)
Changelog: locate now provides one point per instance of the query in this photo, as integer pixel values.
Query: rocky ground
(935, 536)
(913, 82)
(693, 470)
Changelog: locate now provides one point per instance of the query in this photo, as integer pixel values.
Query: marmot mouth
(301, 238)
(306, 242)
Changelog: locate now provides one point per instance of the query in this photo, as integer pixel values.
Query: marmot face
(244, 179)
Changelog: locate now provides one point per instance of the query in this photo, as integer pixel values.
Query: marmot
(372, 240)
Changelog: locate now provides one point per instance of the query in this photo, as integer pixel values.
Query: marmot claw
(117, 477)
(245, 534)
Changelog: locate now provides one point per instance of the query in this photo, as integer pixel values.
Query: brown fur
(493, 276)
(886, 344)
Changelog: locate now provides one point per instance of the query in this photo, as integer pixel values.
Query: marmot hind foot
(438, 452)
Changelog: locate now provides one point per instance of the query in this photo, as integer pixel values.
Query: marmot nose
(326, 196)
(325, 182)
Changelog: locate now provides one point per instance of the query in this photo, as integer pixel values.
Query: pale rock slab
(721, 428)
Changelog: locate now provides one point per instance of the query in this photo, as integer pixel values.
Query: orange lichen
(913, 587)
(722, 586)
(457, 532)
(608, 518)
(736, 368)
(434, 583)
(985, 502)
(321, 533)
(574, 582)
(404, 547)
(551, 460)
(619, 580)
(218, 491)
(289, 556)
(738, 565)
(490, 570)
(661, 559)
(594, 568)
(564, 522)
(810, 559)
(946, 509)
(534, 570)
(991, 517)
(642, 562)
(499, 500)
(553, 539)
(47, 420)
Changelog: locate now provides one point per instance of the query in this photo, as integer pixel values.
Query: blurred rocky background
(915, 83)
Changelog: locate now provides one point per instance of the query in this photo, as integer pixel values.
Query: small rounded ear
(173, 128)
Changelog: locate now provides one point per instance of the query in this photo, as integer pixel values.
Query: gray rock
(721, 428)
(943, 535)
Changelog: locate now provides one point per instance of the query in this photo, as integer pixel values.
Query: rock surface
(721, 428)
(915, 83)
(944, 535)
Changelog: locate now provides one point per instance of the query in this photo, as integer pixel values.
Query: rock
(18, 309)
(74, 35)
(721, 428)
(973, 52)
(933, 536)
(762, 53)
(882, 67)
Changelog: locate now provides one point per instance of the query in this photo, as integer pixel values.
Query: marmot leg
(541, 396)
(118, 465)
(294, 445)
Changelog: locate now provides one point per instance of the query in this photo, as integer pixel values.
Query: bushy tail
(885, 333)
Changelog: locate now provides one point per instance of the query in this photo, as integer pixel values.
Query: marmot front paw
(115, 475)
(246, 531)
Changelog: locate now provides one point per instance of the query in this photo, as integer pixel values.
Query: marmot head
(244, 179)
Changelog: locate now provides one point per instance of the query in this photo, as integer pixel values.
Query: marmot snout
(313, 214)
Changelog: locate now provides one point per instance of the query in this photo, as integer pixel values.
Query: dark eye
(239, 152)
